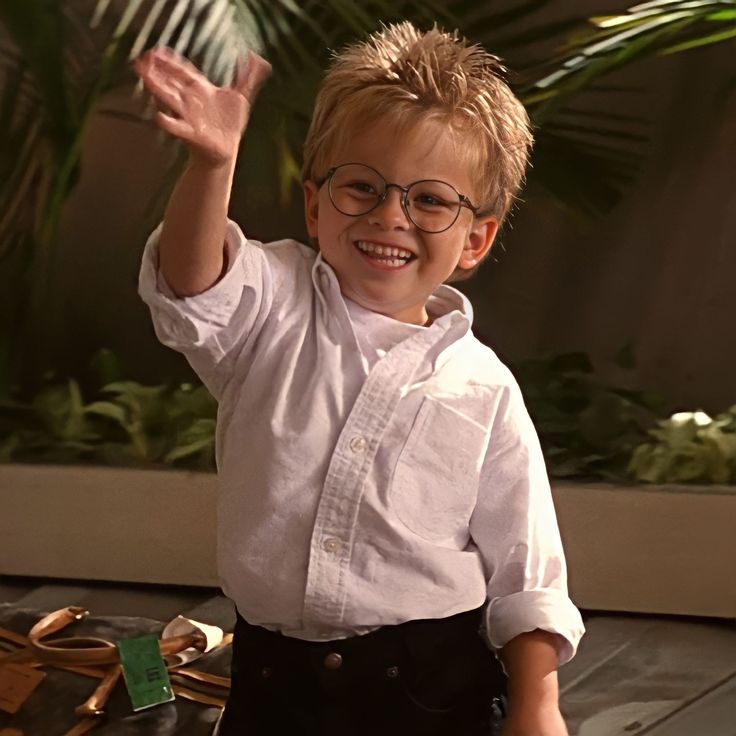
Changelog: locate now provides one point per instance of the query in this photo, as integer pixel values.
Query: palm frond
(54, 71)
(651, 28)
(606, 44)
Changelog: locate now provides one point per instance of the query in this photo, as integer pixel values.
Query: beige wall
(658, 270)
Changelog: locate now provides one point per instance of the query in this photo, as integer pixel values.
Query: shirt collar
(451, 305)
(453, 316)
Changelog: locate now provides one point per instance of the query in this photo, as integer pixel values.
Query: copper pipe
(94, 706)
(56, 621)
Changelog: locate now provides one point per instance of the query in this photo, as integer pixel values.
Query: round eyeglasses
(432, 206)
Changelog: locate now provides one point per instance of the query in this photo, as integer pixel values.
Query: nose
(390, 213)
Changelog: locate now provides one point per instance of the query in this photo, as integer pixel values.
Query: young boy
(383, 496)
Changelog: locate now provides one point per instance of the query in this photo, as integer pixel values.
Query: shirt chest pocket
(435, 481)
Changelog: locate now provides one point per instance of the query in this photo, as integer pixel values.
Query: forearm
(191, 245)
(530, 660)
(211, 121)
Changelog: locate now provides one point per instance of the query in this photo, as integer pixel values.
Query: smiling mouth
(385, 255)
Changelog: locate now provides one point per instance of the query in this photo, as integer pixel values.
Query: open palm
(209, 119)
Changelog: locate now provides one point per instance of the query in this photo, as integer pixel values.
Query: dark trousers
(420, 678)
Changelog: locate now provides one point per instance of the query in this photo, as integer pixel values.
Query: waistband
(419, 634)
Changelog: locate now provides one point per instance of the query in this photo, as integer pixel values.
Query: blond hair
(406, 76)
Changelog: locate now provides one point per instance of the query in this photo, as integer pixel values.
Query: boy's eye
(361, 187)
(428, 200)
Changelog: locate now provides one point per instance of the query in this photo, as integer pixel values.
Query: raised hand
(209, 119)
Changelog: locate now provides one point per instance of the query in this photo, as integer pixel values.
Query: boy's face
(379, 282)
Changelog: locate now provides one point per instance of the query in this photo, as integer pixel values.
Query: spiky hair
(406, 76)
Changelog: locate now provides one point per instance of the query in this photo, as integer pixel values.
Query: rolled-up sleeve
(211, 328)
(515, 528)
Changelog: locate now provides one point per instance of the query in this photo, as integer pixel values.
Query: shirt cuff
(216, 304)
(549, 610)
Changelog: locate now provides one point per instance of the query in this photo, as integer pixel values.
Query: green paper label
(144, 670)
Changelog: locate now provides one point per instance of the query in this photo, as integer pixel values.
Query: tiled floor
(633, 675)
(652, 675)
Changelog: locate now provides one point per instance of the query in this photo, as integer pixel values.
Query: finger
(167, 98)
(168, 62)
(251, 73)
(177, 127)
(164, 94)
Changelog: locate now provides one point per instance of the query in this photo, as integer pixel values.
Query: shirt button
(392, 672)
(333, 661)
(330, 544)
(358, 444)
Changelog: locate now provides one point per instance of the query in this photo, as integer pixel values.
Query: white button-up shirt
(358, 493)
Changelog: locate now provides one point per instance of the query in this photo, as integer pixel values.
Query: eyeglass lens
(431, 205)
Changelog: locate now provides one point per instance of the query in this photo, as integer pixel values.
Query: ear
(311, 207)
(479, 242)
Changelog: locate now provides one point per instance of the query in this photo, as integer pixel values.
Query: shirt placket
(332, 537)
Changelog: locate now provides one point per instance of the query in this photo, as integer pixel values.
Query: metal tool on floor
(100, 659)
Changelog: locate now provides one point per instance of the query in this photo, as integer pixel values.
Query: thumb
(250, 74)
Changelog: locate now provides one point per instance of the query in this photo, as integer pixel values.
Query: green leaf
(667, 4)
(724, 15)
(708, 40)
(185, 451)
(110, 411)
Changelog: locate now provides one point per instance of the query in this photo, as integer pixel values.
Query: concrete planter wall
(656, 550)
(95, 523)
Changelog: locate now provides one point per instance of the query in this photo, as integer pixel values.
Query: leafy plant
(689, 447)
(54, 72)
(129, 424)
(51, 428)
(658, 27)
(587, 429)
(161, 423)
(585, 158)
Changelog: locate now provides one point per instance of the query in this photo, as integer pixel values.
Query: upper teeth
(383, 250)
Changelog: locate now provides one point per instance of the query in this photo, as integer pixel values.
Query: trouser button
(333, 661)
